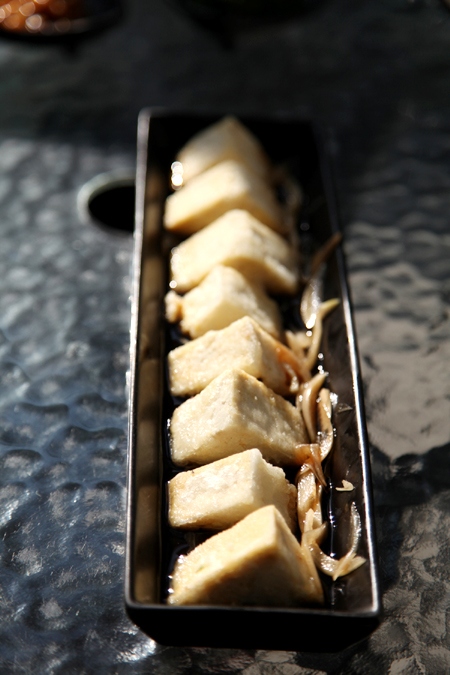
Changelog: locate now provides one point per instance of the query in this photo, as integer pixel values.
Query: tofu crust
(244, 345)
(236, 412)
(258, 562)
(218, 495)
(226, 139)
(236, 239)
(224, 296)
(225, 186)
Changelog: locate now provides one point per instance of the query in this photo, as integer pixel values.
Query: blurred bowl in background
(56, 20)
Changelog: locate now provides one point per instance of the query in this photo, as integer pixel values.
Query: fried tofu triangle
(236, 239)
(243, 344)
(228, 185)
(218, 495)
(258, 561)
(223, 296)
(226, 139)
(236, 412)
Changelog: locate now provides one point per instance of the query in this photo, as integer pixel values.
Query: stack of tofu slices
(237, 425)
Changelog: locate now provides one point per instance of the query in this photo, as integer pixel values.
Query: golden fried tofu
(235, 412)
(258, 561)
(218, 495)
(236, 239)
(226, 139)
(243, 344)
(228, 185)
(224, 296)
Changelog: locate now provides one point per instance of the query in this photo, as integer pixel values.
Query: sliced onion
(299, 342)
(291, 362)
(310, 392)
(326, 433)
(325, 251)
(316, 586)
(349, 562)
(312, 298)
(309, 495)
(312, 295)
(313, 352)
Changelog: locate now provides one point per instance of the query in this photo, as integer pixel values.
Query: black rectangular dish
(352, 605)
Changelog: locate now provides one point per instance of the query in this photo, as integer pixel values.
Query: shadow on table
(399, 486)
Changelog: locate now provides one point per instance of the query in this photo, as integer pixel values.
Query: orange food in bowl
(33, 16)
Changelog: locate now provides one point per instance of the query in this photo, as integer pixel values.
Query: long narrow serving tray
(352, 606)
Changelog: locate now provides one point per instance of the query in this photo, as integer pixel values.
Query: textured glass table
(377, 80)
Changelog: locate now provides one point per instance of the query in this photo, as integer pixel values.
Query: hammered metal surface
(376, 75)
